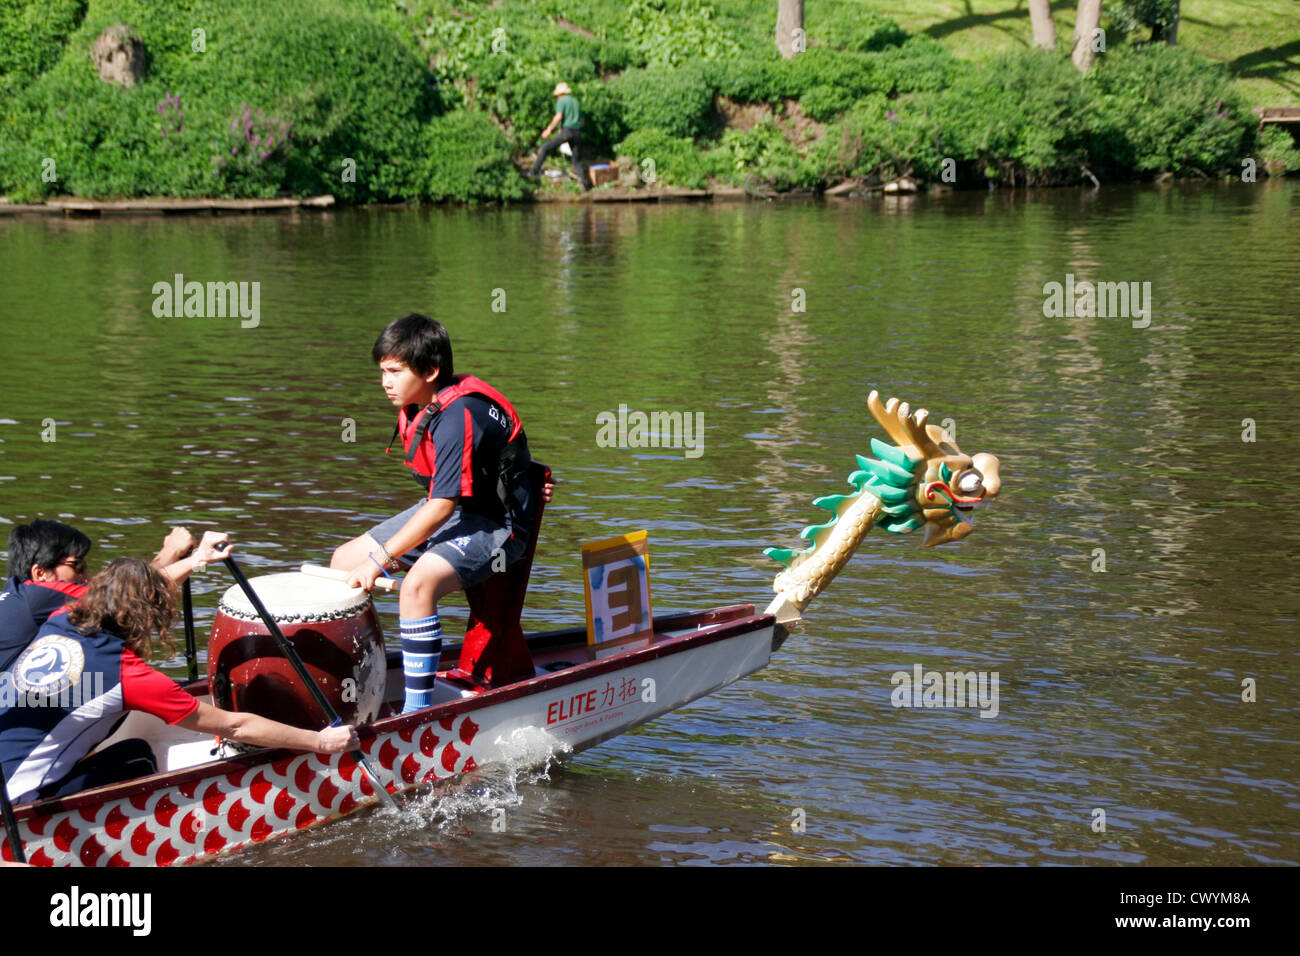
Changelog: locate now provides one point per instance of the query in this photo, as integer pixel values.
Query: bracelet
(382, 569)
(391, 562)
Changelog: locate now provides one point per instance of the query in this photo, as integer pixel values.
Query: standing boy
(465, 443)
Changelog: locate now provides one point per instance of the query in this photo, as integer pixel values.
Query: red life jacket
(413, 430)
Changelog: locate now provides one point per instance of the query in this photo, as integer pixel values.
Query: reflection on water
(1137, 568)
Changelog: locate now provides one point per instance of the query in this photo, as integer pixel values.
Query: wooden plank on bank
(74, 206)
(1277, 114)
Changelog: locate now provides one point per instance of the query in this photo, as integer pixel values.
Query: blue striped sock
(421, 649)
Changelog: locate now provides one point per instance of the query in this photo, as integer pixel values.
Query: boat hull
(188, 815)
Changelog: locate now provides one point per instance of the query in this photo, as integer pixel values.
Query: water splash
(526, 758)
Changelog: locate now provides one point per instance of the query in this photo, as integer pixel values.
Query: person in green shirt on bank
(568, 116)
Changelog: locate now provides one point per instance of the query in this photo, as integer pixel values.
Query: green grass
(1258, 40)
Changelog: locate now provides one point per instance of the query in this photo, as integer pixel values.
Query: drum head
(292, 596)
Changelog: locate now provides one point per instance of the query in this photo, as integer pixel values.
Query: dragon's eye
(970, 484)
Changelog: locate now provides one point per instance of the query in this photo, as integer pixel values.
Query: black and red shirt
(24, 607)
(459, 453)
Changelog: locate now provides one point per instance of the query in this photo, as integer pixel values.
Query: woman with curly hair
(75, 682)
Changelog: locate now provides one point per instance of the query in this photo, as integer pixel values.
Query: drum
(336, 633)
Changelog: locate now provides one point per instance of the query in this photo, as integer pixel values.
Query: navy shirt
(24, 607)
(467, 437)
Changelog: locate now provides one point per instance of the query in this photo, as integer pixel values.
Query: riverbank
(435, 102)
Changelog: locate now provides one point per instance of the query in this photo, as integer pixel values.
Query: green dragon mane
(892, 478)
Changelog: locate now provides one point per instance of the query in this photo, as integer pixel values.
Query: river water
(1135, 581)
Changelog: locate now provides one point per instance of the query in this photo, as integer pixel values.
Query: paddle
(291, 653)
(191, 649)
(11, 824)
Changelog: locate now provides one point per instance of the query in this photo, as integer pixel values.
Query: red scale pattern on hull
(468, 730)
(237, 815)
(115, 823)
(449, 757)
(141, 839)
(165, 810)
(428, 742)
(259, 788)
(214, 842)
(213, 798)
(91, 851)
(64, 834)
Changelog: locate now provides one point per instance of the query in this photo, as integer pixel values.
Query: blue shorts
(475, 546)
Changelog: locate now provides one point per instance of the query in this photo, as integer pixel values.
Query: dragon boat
(555, 688)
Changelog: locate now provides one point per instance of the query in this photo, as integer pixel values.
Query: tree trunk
(1040, 15)
(1086, 22)
(789, 27)
(1171, 31)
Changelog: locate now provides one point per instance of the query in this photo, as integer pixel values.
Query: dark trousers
(125, 760)
(574, 139)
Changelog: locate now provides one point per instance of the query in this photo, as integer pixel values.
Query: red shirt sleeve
(144, 688)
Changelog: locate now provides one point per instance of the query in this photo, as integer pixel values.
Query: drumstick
(335, 574)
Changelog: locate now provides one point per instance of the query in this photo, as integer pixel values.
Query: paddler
(568, 117)
(86, 669)
(466, 446)
(47, 570)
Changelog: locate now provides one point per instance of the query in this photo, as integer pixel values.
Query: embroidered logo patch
(49, 666)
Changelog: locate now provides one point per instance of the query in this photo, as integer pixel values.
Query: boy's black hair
(45, 544)
(419, 341)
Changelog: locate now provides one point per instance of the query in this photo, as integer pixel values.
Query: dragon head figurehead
(922, 480)
(926, 479)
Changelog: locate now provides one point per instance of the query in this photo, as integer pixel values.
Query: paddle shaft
(11, 824)
(191, 648)
(291, 653)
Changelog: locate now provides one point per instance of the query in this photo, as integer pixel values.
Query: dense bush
(1022, 118)
(855, 73)
(468, 159)
(762, 156)
(34, 33)
(746, 80)
(1164, 108)
(920, 64)
(351, 86)
(603, 124)
(881, 139)
(677, 100)
(665, 37)
(675, 159)
(1276, 145)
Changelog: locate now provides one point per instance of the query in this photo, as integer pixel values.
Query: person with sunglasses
(48, 729)
(47, 572)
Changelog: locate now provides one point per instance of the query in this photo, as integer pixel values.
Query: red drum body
(336, 633)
